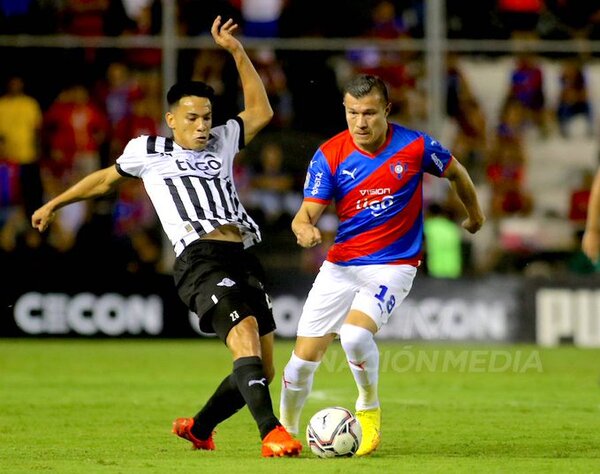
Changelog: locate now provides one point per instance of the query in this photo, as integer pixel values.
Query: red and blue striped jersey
(378, 197)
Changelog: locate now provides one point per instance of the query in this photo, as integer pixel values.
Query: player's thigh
(382, 290)
(327, 302)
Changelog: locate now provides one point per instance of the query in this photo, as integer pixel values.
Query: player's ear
(170, 120)
(388, 109)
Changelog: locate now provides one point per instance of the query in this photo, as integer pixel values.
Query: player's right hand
(42, 218)
(308, 236)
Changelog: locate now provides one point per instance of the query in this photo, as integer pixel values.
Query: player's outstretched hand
(42, 218)
(223, 34)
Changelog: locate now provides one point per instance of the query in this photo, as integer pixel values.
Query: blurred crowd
(484, 19)
(59, 124)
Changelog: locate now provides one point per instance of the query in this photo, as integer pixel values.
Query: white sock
(363, 358)
(297, 382)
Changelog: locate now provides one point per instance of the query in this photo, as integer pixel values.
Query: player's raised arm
(94, 185)
(465, 189)
(257, 111)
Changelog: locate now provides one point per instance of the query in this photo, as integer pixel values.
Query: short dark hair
(187, 88)
(363, 84)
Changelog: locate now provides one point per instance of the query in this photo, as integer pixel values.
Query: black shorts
(217, 279)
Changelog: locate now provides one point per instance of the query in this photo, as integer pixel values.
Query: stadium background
(104, 271)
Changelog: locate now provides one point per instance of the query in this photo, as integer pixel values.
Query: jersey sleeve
(230, 135)
(436, 158)
(319, 184)
(132, 160)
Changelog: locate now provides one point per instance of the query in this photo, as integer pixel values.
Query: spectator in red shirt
(139, 122)
(76, 131)
(506, 168)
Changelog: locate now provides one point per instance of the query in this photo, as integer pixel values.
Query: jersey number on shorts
(390, 303)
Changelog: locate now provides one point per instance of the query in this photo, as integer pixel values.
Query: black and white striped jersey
(192, 191)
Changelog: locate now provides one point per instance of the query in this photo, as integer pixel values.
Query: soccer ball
(333, 432)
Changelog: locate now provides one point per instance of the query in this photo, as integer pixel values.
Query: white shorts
(376, 290)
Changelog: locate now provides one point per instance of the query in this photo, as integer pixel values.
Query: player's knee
(354, 338)
(299, 371)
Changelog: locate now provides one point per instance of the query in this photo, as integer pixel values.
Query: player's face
(191, 121)
(367, 120)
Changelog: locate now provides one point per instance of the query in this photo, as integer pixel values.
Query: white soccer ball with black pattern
(333, 432)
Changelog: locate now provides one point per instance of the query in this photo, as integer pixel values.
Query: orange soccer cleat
(280, 443)
(182, 427)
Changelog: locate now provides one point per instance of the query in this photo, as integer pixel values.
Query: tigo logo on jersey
(206, 163)
(397, 169)
(376, 206)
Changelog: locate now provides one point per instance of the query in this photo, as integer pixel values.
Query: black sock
(252, 383)
(226, 401)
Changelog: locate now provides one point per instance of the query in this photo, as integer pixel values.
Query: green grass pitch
(106, 406)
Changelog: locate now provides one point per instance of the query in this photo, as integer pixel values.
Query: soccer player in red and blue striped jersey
(373, 172)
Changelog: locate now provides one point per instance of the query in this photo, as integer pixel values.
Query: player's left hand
(472, 225)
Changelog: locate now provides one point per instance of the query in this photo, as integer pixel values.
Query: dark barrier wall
(488, 309)
(115, 306)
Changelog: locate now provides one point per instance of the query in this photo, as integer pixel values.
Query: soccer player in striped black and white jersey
(373, 171)
(188, 178)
